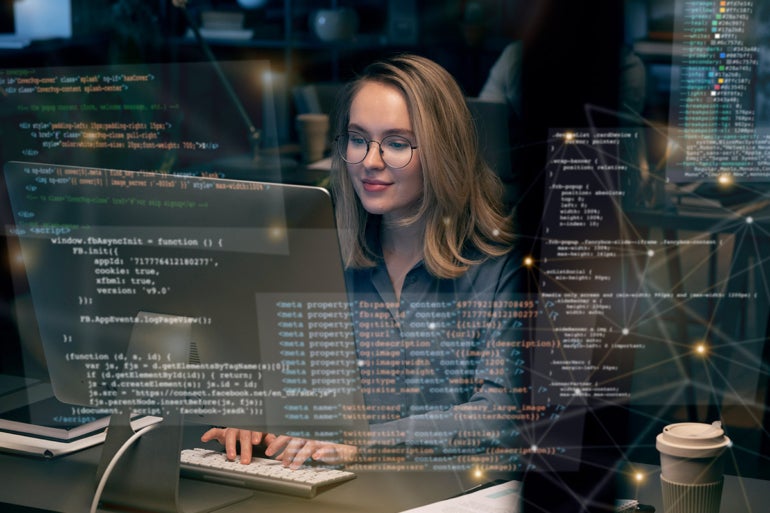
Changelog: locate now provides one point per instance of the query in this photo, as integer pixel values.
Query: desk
(66, 485)
(739, 495)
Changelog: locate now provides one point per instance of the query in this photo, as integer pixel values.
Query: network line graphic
(654, 305)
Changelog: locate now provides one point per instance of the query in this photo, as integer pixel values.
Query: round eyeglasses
(395, 151)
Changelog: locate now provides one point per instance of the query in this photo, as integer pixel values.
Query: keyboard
(261, 474)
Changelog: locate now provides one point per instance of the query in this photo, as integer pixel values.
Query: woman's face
(377, 111)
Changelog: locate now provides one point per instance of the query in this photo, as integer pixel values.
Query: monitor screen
(718, 114)
(108, 252)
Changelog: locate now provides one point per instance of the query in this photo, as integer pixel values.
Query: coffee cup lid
(692, 440)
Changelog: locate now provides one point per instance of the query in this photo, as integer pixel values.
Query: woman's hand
(293, 452)
(229, 437)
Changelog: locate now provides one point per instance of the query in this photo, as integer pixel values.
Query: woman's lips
(374, 186)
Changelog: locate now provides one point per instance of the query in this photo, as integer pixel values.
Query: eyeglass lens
(396, 151)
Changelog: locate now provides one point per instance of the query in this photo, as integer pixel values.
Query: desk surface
(739, 495)
(66, 484)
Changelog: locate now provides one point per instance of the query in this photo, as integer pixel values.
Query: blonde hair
(462, 199)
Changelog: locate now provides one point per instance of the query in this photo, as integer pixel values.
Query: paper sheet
(502, 498)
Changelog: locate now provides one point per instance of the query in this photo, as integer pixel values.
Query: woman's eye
(397, 144)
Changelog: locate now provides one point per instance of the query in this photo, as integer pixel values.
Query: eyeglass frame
(379, 143)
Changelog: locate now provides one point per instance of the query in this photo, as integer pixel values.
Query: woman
(427, 248)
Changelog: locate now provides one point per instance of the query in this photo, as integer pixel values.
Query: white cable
(114, 461)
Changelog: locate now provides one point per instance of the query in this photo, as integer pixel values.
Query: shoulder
(497, 275)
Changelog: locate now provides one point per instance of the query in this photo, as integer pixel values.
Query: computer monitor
(241, 259)
(217, 301)
(718, 111)
(196, 118)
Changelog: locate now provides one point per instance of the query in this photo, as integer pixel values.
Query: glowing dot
(277, 233)
(432, 326)
(650, 253)
(625, 331)
(478, 473)
(496, 232)
(749, 220)
(529, 261)
(533, 448)
(569, 136)
(639, 477)
(725, 179)
(268, 77)
(701, 349)
(361, 363)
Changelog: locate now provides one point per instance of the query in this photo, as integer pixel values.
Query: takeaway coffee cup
(691, 466)
(313, 130)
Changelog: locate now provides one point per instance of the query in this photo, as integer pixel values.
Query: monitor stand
(146, 476)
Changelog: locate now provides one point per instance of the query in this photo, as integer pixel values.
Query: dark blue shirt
(443, 365)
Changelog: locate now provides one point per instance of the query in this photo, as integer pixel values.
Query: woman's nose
(373, 156)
